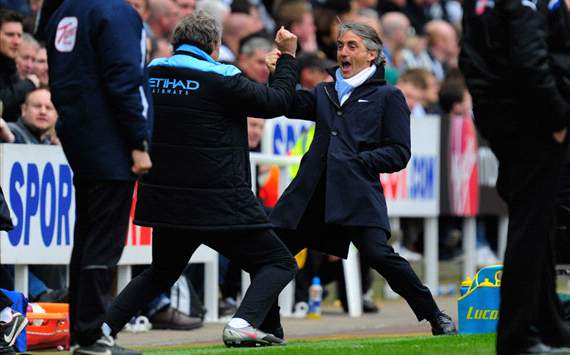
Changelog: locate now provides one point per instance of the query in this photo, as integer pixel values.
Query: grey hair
(369, 36)
(215, 8)
(28, 38)
(199, 29)
(255, 44)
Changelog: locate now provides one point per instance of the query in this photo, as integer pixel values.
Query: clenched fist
(286, 41)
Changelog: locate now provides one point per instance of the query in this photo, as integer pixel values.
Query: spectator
(251, 59)
(41, 66)
(36, 122)
(455, 99)
(160, 49)
(297, 16)
(13, 90)
(27, 52)
(216, 8)
(431, 97)
(395, 28)
(443, 47)
(236, 27)
(313, 69)
(420, 12)
(164, 15)
(413, 86)
(186, 7)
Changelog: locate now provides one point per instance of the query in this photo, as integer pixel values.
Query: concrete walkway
(395, 318)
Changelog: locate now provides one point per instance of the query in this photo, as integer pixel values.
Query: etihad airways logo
(172, 86)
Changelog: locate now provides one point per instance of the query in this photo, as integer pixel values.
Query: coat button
(334, 132)
(339, 113)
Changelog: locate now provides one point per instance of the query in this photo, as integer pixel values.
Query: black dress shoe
(443, 325)
(369, 306)
(171, 318)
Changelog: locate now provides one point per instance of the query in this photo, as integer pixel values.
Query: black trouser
(529, 304)
(101, 223)
(258, 252)
(5, 301)
(372, 243)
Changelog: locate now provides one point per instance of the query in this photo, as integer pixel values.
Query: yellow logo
(482, 314)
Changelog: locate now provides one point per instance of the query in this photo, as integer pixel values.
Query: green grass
(463, 345)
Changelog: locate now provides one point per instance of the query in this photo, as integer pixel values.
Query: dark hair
(10, 16)
(452, 91)
(199, 29)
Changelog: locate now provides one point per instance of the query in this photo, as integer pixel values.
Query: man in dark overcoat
(362, 130)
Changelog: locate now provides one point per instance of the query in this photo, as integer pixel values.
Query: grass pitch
(462, 345)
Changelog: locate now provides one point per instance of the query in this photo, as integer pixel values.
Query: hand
(271, 59)
(560, 136)
(141, 162)
(34, 79)
(6, 135)
(286, 41)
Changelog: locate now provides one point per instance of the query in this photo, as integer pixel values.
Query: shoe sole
(176, 327)
(248, 343)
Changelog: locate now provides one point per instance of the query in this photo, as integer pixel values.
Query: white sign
(281, 133)
(38, 187)
(414, 191)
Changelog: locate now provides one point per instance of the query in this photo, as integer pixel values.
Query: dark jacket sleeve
(530, 61)
(263, 101)
(304, 105)
(121, 49)
(15, 94)
(394, 151)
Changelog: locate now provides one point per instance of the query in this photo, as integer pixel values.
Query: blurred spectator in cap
(251, 60)
(26, 56)
(237, 26)
(41, 65)
(297, 16)
(163, 18)
(186, 7)
(455, 99)
(313, 69)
